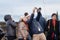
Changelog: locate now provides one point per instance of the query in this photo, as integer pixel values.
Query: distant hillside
(17, 17)
(3, 25)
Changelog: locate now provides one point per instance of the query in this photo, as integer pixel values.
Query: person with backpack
(41, 19)
(10, 27)
(35, 27)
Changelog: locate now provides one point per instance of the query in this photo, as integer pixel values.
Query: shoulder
(50, 20)
(9, 21)
(21, 23)
(42, 18)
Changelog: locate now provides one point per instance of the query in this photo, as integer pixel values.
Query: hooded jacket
(34, 25)
(10, 26)
(42, 21)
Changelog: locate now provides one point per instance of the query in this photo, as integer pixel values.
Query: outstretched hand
(34, 9)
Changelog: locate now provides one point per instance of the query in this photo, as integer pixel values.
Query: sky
(17, 8)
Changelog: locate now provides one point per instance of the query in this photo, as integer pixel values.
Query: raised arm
(13, 24)
(38, 16)
(32, 16)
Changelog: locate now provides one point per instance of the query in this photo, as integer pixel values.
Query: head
(24, 19)
(26, 16)
(26, 13)
(54, 16)
(39, 9)
(7, 17)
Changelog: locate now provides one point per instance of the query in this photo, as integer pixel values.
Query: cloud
(52, 8)
(18, 7)
(52, 1)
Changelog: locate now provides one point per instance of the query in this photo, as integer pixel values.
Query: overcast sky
(18, 7)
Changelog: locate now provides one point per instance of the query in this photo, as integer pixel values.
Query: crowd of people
(30, 28)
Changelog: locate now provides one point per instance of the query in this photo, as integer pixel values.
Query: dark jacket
(1, 33)
(51, 29)
(34, 25)
(10, 26)
(42, 21)
(1, 30)
(59, 26)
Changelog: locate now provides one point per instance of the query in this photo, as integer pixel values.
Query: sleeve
(13, 24)
(59, 27)
(21, 25)
(38, 16)
(46, 28)
(45, 22)
(31, 18)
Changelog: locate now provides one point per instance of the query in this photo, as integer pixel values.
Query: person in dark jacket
(41, 19)
(35, 27)
(10, 27)
(1, 33)
(59, 30)
(53, 28)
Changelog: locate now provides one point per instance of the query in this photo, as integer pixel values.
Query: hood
(7, 17)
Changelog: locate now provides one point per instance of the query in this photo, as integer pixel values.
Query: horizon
(17, 17)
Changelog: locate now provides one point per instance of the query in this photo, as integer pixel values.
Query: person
(41, 20)
(35, 27)
(19, 35)
(59, 30)
(26, 13)
(10, 27)
(23, 30)
(53, 28)
(2, 33)
(28, 16)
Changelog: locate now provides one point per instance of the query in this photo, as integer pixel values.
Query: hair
(7, 17)
(25, 14)
(39, 8)
(54, 14)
